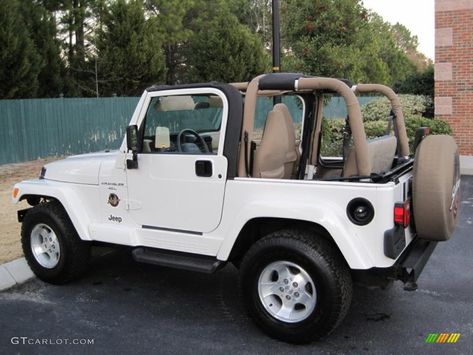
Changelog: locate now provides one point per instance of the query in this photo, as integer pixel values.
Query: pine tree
(222, 49)
(20, 63)
(76, 23)
(41, 24)
(129, 50)
(171, 18)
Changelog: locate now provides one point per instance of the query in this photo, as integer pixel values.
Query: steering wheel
(201, 144)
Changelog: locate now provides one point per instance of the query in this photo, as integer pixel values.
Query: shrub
(418, 83)
(332, 129)
(412, 105)
(436, 127)
(332, 136)
(375, 129)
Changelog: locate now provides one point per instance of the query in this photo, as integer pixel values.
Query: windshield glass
(202, 113)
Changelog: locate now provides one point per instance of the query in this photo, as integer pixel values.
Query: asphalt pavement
(124, 307)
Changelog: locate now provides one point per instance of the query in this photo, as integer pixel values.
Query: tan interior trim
(397, 108)
(316, 134)
(354, 112)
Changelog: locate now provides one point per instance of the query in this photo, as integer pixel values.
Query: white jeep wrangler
(197, 183)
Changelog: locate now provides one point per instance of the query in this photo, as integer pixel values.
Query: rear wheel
(295, 285)
(52, 248)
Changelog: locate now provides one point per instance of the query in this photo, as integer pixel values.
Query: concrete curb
(14, 273)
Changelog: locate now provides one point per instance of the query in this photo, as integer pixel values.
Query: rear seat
(381, 154)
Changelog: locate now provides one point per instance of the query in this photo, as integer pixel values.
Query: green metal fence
(30, 129)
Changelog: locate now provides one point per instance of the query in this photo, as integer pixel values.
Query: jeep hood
(79, 169)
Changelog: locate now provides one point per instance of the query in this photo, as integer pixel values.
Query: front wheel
(295, 285)
(52, 248)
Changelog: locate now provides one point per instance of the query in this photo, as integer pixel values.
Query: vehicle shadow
(213, 298)
(126, 305)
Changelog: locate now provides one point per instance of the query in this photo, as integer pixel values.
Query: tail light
(402, 214)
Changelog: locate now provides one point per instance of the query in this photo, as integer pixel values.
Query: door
(179, 184)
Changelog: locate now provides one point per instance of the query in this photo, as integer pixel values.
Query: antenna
(276, 45)
(276, 38)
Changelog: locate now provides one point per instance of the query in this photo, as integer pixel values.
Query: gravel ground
(10, 174)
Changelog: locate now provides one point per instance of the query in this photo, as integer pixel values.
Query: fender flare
(328, 218)
(65, 195)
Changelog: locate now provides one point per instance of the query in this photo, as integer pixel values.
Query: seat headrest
(284, 110)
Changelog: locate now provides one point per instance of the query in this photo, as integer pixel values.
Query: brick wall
(454, 69)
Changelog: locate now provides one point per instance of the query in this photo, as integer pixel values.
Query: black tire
(435, 188)
(321, 261)
(74, 253)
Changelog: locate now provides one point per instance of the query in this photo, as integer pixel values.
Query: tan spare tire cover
(436, 187)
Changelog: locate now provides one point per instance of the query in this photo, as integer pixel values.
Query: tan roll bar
(354, 112)
(397, 109)
(248, 122)
(242, 86)
(356, 122)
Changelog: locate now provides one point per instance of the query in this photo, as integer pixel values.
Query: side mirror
(132, 138)
(132, 144)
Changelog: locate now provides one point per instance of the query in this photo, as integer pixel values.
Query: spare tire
(436, 188)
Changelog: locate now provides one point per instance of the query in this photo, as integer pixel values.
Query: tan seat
(381, 152)
(270, 158)
(292, 154)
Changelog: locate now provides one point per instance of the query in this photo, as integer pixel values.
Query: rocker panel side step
(177, 260)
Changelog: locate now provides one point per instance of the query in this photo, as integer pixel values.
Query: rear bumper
(407, 268)
(412, 261)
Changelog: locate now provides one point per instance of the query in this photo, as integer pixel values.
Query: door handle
(203, 168)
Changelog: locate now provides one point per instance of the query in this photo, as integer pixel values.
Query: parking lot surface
(125, 307)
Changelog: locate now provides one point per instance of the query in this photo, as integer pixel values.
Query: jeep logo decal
(113, 200)
(115, 219)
